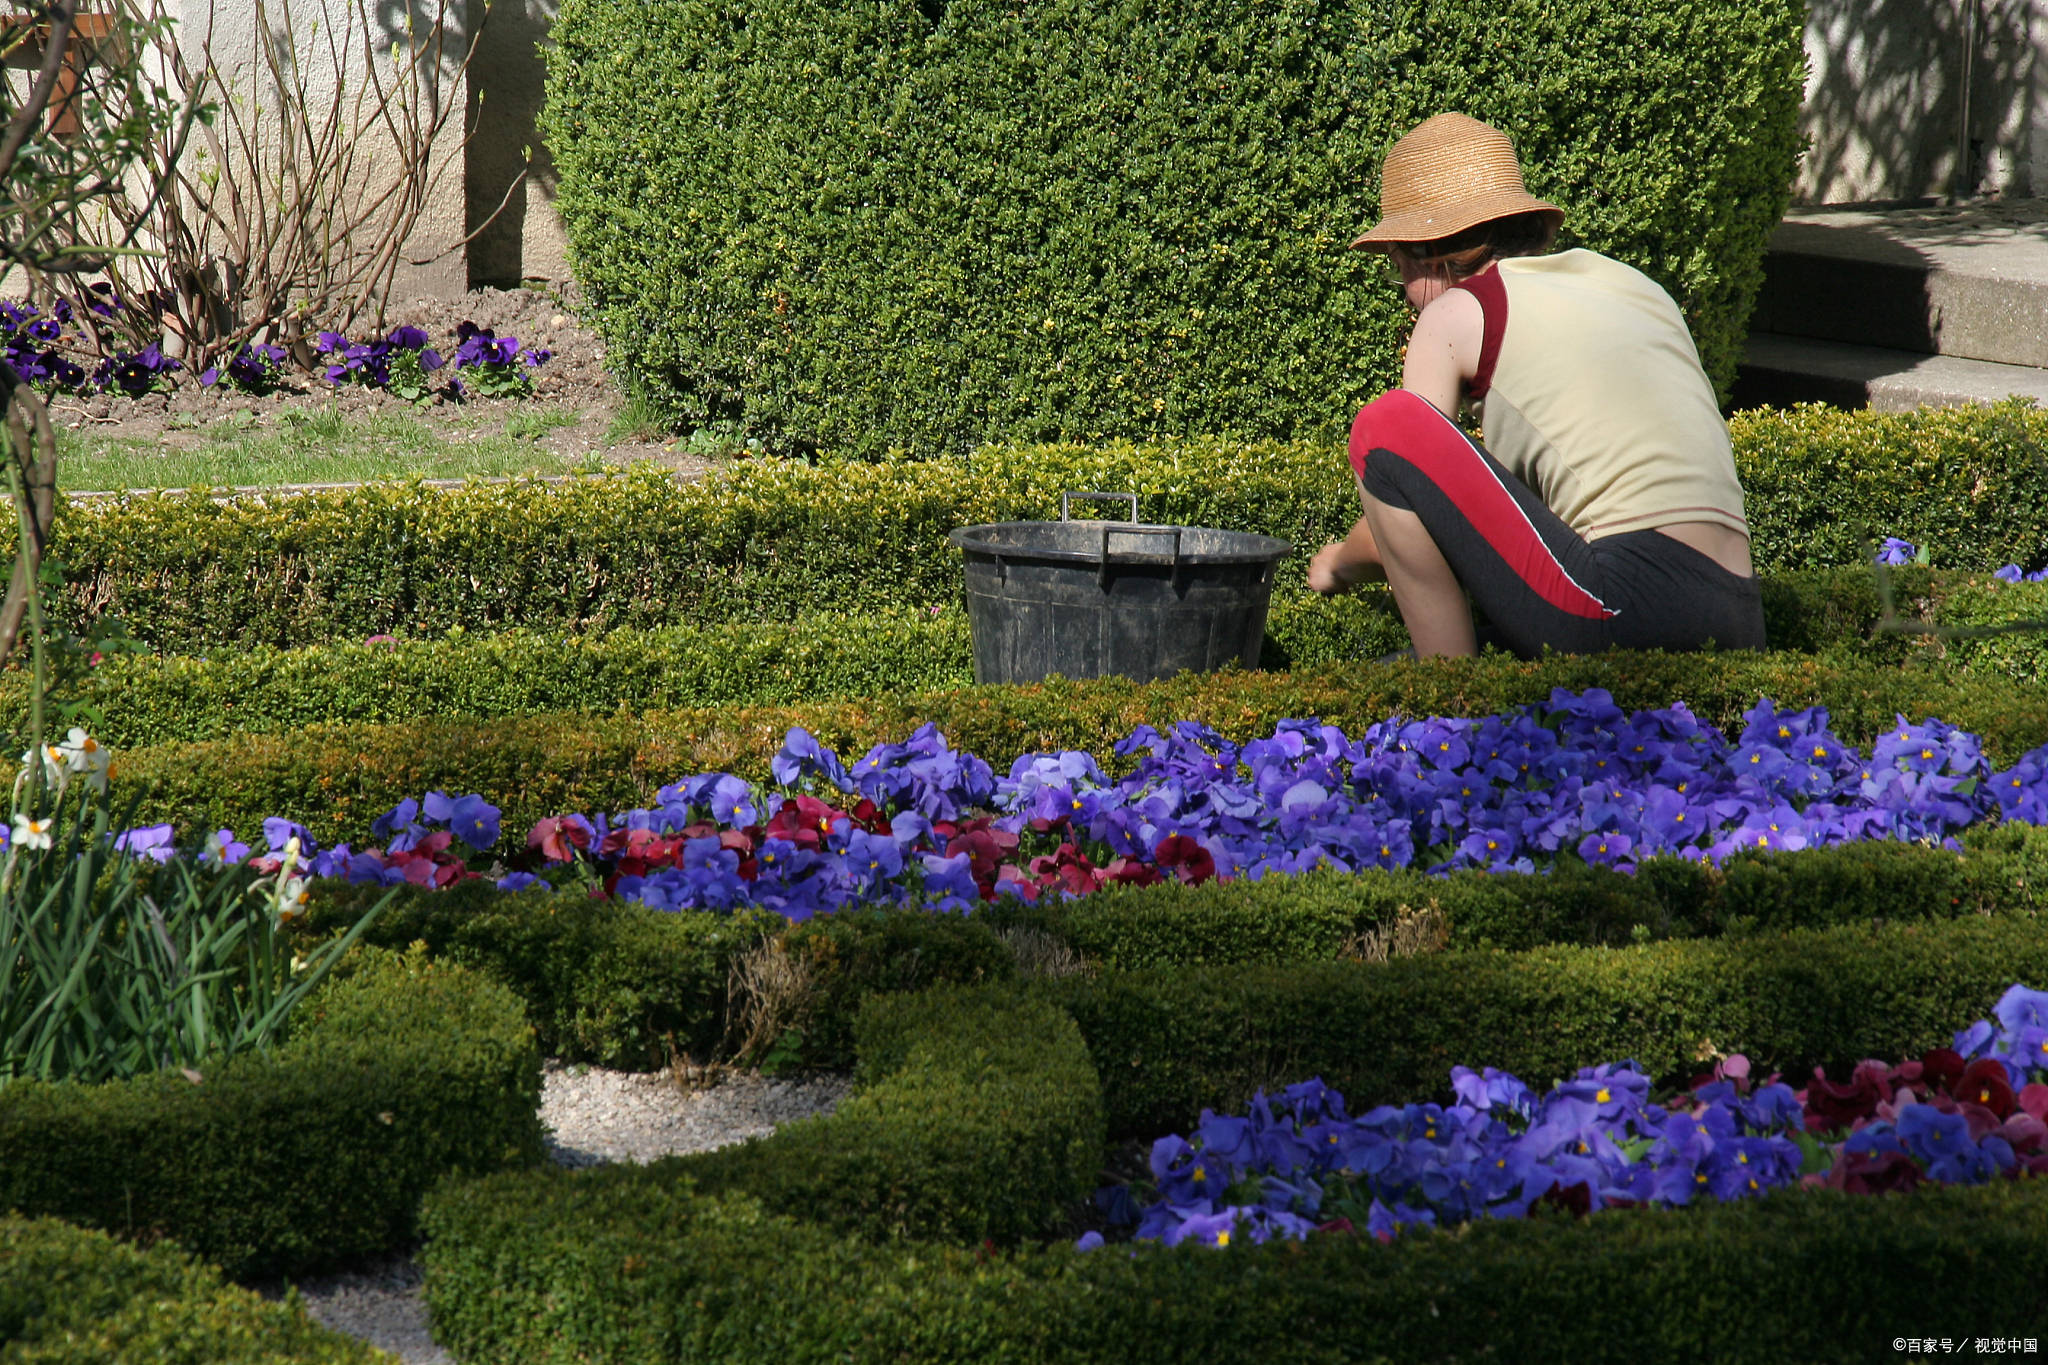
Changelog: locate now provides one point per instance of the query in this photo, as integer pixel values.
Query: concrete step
(1969, 281)
(1777, 371)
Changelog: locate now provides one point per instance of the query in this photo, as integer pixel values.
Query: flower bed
(47, 355)
(919, 822)
(1298, 1163)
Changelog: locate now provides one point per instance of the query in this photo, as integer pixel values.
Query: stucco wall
(523, 241)
(1884, 92)
(351, 60)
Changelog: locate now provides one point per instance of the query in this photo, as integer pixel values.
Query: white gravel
(594, 1116)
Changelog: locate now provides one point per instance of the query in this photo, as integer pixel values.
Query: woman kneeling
(1604, 510)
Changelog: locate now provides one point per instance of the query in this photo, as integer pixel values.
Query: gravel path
(594, 1116)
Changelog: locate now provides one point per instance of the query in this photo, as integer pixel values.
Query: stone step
(1777, 371)
(1969, 281)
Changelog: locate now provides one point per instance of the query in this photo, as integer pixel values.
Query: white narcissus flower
(29, 833)
(291, 899)
(84, 754)
(55, 768)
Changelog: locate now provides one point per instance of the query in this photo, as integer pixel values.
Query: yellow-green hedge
(768, 541)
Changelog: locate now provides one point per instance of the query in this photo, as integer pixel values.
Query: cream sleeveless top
(1591, 393)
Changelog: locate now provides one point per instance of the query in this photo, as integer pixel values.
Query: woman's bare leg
(1432, 601)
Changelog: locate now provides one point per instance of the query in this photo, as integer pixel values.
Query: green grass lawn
(318, 447)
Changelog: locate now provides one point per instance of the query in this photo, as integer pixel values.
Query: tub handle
(1134, 529)
(1067, 499)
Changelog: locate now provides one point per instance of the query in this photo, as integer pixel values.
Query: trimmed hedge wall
(518, 1276)
(73, 1297)
(1314, 917)
(398, 1071)
(148, 699)
(779, 540)
(976, 1115)
(924, 226)
(624, 985)
(1179, 1040)
(337, 779)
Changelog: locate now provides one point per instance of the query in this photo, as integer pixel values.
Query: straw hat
(1450, 173)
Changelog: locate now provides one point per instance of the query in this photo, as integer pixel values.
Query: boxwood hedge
(518, 1276)
(772, 540)
(398, 1071)
(624, 985)
(930, 225)
(151, 699)
(69, 1296)
(1180, 1039)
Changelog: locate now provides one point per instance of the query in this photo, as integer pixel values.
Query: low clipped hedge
(624, 985)
(69, 1296)
(777, 541)
(1182, 1039)
(398, 1071)
(652, 1265)
(1968, 484)
(148, 699)
(336, 779)
(651, 1278)
(976, 1115)
(1320, 916)
(918, 225)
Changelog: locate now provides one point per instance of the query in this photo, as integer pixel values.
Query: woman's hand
(1328, 572)
(1342, 566)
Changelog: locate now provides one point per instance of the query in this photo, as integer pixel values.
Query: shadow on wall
(523, 240)
(1884, 88)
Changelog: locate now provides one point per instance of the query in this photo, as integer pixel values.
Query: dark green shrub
(81, 1298)
(517, 1276)
(337, 779)
(928, 226)
(1321, 916)
(396, 1073)
(623, 985)
(1179, 1040)
(150, 699)
(977, 1115)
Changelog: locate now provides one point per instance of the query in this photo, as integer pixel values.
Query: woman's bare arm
(1443, 350)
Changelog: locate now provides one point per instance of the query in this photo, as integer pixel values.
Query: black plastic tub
(1088, 599)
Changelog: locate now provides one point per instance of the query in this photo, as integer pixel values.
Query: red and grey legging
(1537, 583)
